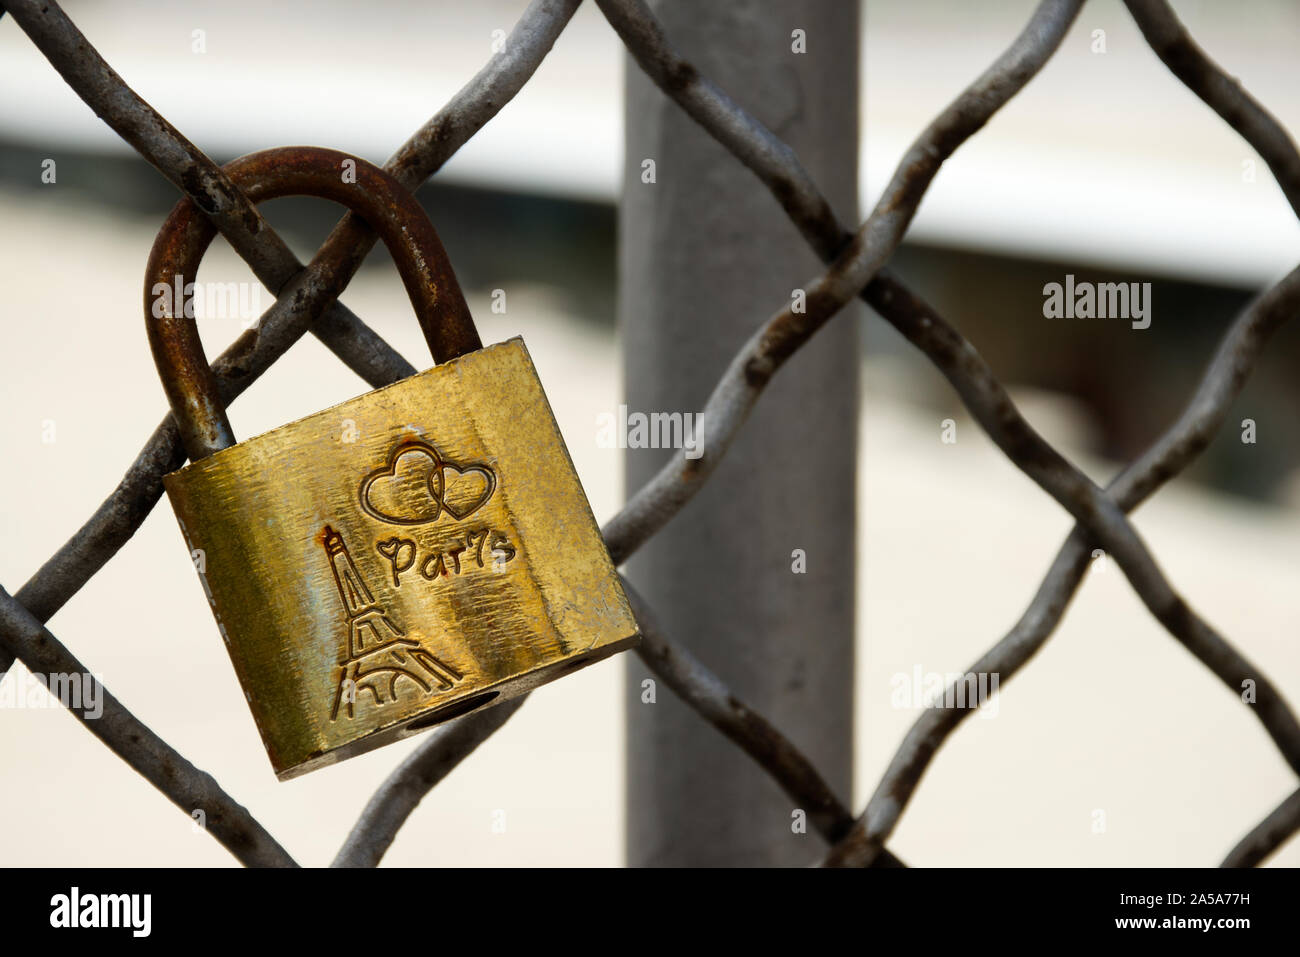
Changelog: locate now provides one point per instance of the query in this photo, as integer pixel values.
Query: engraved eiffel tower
(379, 653)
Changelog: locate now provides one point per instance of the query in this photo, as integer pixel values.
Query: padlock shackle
(379, 199)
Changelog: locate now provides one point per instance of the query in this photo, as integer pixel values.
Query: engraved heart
(416, 486)
(464, 490)
(397, 493)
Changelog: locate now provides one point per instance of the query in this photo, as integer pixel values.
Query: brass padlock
(405, 557)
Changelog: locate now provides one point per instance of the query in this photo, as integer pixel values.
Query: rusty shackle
(379, 199)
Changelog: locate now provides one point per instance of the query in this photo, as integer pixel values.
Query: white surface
(361, 78)
(1103, 159)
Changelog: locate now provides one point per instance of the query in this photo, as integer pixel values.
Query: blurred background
(1104, 167)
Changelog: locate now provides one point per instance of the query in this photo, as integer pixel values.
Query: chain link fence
(856, 267)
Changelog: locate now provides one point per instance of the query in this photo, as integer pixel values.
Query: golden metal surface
(401, 559)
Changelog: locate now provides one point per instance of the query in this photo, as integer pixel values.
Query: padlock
(406, 557)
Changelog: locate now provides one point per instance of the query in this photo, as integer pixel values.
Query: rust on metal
(386, 206)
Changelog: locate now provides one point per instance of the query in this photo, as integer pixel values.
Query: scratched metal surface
(401, 558)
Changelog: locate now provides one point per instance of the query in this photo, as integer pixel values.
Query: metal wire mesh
(306, 301)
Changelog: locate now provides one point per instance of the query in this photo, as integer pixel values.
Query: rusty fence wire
(306, 301)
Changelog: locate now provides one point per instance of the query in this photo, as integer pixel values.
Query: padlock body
(400, 559)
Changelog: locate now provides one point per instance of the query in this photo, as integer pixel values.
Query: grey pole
(706, 255)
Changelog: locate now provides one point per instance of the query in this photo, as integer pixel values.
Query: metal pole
(706, 255)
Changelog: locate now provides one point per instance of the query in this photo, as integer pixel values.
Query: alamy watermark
(1105, 300)
(133, 912)
(79, 692)
(933, 689)
(654, 430)
(208, 300)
